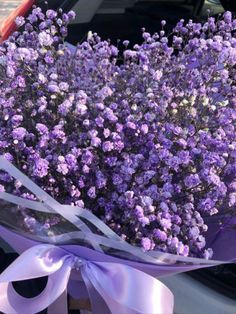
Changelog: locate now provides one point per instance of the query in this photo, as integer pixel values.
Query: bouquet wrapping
(115, 170)
(113, 274)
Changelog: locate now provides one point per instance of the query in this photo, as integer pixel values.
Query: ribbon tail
(127, 290)
(77, 289)
(59, 306)
(99, 306)
(102, 304)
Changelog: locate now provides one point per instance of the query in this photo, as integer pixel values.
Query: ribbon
(114, 284)
(113, 288)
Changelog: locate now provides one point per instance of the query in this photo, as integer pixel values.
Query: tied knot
(78, 262)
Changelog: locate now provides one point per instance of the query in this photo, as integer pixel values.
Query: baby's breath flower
(147, 144)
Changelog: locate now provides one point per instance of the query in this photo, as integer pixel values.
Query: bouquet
(116, 167)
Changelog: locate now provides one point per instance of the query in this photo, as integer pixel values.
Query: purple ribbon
(112, 287)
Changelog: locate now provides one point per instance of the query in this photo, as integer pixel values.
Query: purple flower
(100, 106)
(228, 17)
(111, 161)
(174, 242)
(8, 157)
(208, 253)
(106, 133)
(17, 119)
(65, 107)
(176, 219)
(157, 75)
(192, 180)
(101, 181)
(109, 114)
(49, 58)
(92, 192)
(116, 179)
(45, 39)
(107, 146)
(146, 200)
(64, 86)
(62, 168)
(139, 211)
(232, 199)
(184, 157)
(51, 14)
(81, 109)
(42, 128)
(144, 221)
(71, 161)
(20, 21)
(99, 121)
(24, 54)
(71, 15)
(165, 223)
(174, 162)
(40, 168)
(160, 235)
(213, 178)
(146, 244)
(53, 88)
(96, 141)
(131, 125)
(144, 128)
(19, 133)
(87, 157)
(129, 195)
(183, 249)
(194, 232)
(164, 207)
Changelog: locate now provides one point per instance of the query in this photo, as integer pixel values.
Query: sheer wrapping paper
(90, 261)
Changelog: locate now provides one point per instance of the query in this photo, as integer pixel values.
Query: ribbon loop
(38, 261)
(113, 287)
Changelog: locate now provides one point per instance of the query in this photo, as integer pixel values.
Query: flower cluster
(147, 144)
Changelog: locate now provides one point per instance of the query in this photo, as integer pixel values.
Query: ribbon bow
(112, 287)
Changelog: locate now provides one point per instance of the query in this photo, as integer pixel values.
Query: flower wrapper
(66, 251)
(152, 179)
